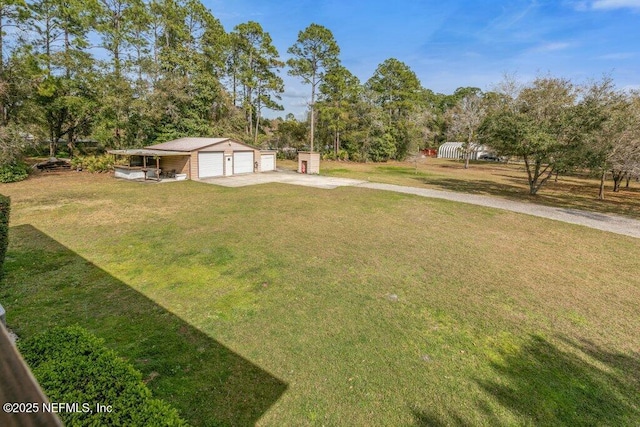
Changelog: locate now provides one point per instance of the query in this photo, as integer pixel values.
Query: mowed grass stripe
(374, 308)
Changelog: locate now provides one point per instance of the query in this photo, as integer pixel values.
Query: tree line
(129, 73)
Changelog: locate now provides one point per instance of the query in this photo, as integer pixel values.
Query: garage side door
(210, 164)
(267, 162)
(242, 162)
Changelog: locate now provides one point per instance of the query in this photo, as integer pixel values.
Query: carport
(144, 163)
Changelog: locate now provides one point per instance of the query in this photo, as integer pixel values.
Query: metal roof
(177, 147)
(147, 152)
(188, 144)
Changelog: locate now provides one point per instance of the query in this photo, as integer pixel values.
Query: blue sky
(449, 44)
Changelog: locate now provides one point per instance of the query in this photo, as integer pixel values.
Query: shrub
(103, 163)
(5, 207)
(357, 157)
(13, 172)
(343, 155)
(331, 155)
(76, 162)
(382, 148)
(72, 365)
(287, 155)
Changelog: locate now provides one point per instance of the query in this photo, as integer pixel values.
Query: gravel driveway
(599, 221)
(606, 222)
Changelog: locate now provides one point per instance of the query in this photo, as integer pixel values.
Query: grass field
(284, 305)
(495, 179)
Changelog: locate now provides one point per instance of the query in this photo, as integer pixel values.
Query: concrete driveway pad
(294, 178)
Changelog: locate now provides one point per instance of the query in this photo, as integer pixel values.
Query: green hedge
(5, 207)
(74, 366)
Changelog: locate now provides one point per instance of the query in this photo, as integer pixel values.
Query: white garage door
(267, 162)
(210, 164)
(242, 162)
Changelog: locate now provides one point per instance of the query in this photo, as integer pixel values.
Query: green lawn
(284, 305)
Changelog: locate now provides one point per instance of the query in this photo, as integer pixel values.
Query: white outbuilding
(454, 150)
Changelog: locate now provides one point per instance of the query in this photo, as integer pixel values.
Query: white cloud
(607, 5)
(631, 88)
(615, 4)
(617, 56)
(580, 6)
(552, 47)
(295, 93)
(511, 17)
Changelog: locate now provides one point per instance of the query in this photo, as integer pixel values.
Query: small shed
(195, 158)
(454, 150)
(308, 162)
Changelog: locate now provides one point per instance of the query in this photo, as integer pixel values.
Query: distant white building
(454, 150)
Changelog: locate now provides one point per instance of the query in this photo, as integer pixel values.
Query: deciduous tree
(465, 119)
(536, 128)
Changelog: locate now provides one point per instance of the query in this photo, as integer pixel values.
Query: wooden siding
(193, 162)
(179, 163)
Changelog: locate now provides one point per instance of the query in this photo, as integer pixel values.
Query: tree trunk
(617, 180)
(71, 144)
(116, 62)
(234, 89)
(47, 43)
(2, 106)
(601, 191)
(248, 113)
(53, 147)
(535, 181)
(116, 47)
(1, 45)
(258, 108)
(531, 179)
(67, 48)
(312, 125)
(313, 97)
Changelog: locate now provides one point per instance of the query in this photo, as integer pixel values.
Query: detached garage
(199, 158)
(210, 164)
(267, 161)
(243, 162)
